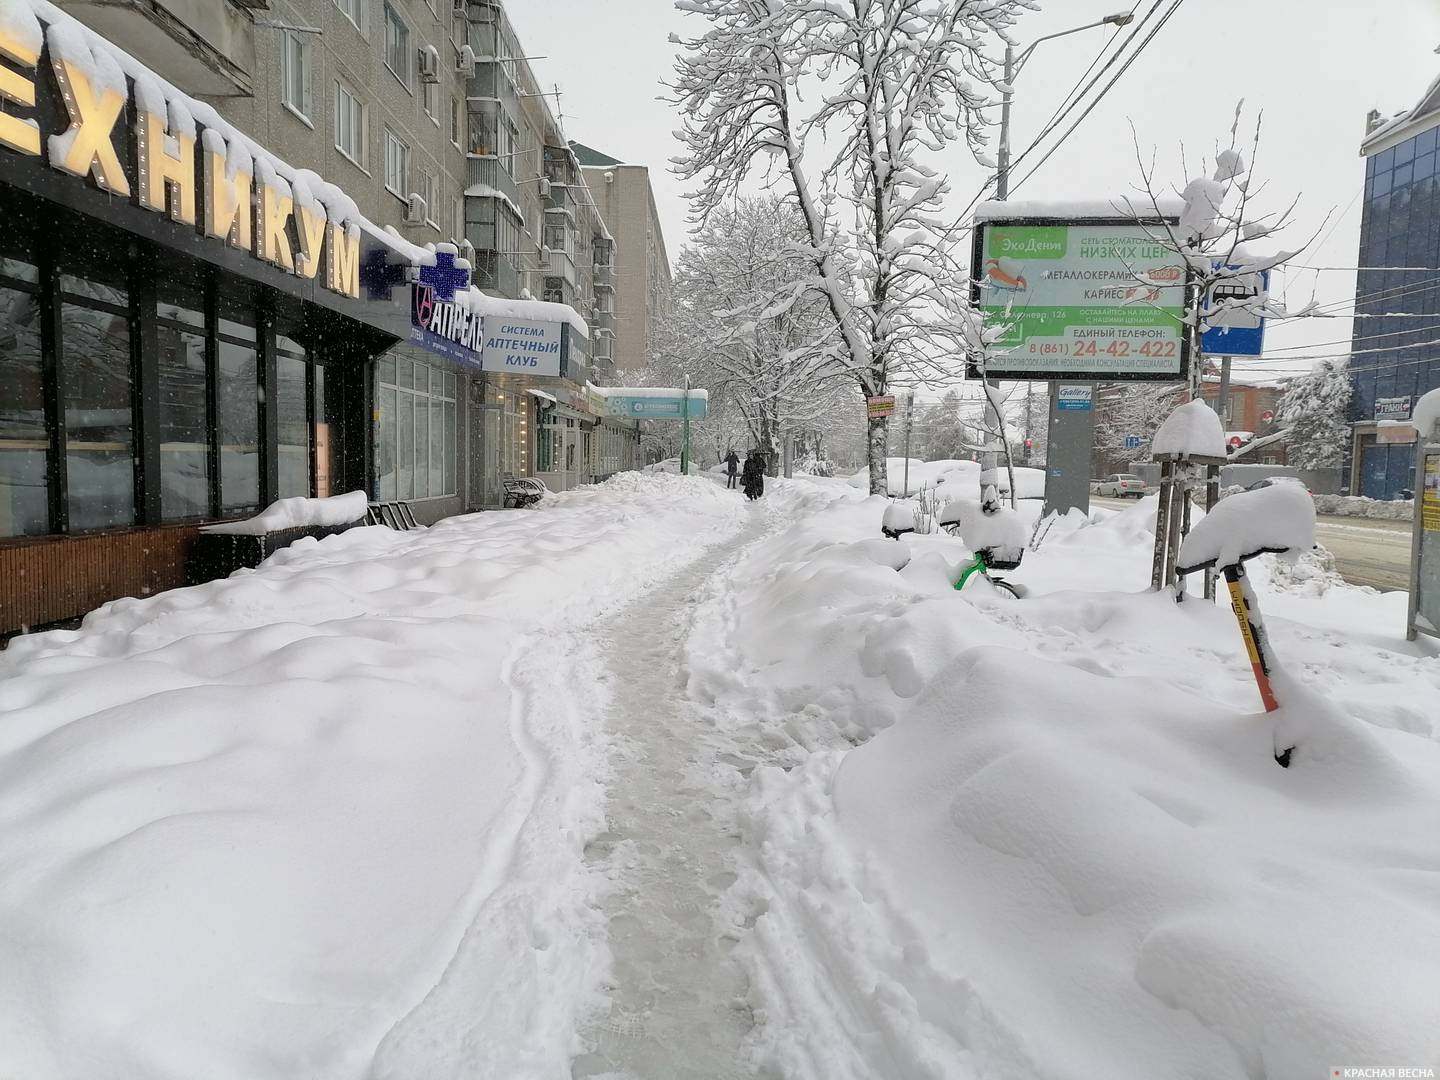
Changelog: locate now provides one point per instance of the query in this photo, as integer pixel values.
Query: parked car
(1119, 486)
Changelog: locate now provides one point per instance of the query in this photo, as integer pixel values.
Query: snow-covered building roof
(1405, 124)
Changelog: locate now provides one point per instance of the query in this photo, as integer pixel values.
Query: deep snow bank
(1062, 847)
(247, 824)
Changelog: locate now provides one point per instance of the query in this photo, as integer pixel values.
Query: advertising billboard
(1086, 299)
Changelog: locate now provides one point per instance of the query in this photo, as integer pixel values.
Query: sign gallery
(213, 189)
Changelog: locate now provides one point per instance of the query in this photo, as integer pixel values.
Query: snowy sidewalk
(267, 825)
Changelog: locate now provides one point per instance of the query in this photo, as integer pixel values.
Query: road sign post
(685, 430)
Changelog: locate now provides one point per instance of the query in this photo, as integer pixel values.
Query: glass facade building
(1396, 343)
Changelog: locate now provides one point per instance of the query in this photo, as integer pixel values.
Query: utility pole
(1057, 431)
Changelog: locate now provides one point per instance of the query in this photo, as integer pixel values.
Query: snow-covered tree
(1218, 226)
(1313, 409)
(741, 326)
(1132, 409)
(848, 105)
(940, 429)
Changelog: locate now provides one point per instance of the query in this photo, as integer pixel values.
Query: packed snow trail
(678, 1004)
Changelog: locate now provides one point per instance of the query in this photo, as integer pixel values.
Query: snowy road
(1367, 552)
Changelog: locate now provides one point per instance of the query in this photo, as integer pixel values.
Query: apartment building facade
(232, 300)
(426, 113)
(641, 275)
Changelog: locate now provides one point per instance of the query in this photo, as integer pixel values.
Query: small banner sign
(884, 405)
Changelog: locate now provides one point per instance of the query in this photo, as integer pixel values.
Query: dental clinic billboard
(522, 346)
(1088, 299)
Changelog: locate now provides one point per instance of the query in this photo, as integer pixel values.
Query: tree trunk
(876, 444)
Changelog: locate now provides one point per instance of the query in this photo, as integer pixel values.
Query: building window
(184, 416)
(416, 432)
(293, 415)
(430, 192)
(457, 219)
(24, 441)
(430, 100)
(237, 405)
(351, 10)
(349, 125)
(457, 122)
(397, 44)
(397, 165)
(97, 399)
(295, 73)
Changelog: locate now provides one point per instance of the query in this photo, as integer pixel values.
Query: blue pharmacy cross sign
(1236, 332)
(445, 277)
(380, 276)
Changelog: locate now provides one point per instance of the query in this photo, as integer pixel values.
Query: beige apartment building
(642, 265)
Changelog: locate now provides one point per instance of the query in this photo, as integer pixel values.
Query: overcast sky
(1315, 68)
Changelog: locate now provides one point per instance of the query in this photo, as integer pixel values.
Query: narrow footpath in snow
(678, 1005)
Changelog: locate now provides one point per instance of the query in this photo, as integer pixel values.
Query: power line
(1353, 338)
(1134, 55)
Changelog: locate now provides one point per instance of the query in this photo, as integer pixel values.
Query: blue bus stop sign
(1236, 332)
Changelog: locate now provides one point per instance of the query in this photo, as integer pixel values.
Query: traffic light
(1029, 444)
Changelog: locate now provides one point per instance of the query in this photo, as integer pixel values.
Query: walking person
(754, 475)
(732, 468)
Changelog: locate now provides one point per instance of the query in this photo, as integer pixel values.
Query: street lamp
(1013, 65)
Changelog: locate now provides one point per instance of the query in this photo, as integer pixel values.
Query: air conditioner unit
(415, 210)
(465, 64)
(429, 64)
(544, 187)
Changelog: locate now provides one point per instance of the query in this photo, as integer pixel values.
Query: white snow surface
(1193, 429)
(952, 477)
(1029, 482)
(1048, 838)
(1426, 413)
(296, 513)
(323, 819)
(357, 814)
(1280, 516)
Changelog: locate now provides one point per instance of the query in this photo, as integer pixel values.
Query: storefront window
(293, 419)
(184, 426)
(238, 404)
(416, 432)
(184, 437)
(99, 415)
(24, 442)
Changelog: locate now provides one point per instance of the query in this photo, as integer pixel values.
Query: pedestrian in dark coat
(732, 468)
(754, 475)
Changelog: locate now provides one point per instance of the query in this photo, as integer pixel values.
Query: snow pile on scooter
(1278, 518)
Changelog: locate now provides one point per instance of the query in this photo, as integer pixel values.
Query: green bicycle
(982, 564)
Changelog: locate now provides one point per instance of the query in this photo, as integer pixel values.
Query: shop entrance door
(491, 492)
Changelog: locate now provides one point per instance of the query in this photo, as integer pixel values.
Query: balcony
(604, 321)
(562, 265)
(561, 200)
(493, 272)
(491, 82)
(487, 172)
(560, 166)
(604, 276)
(205, 49)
